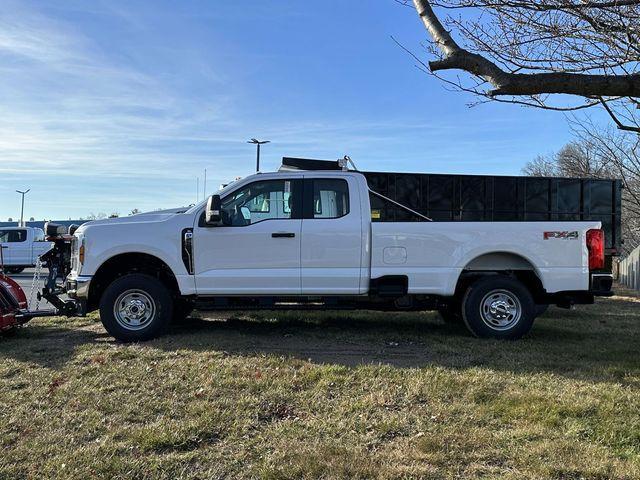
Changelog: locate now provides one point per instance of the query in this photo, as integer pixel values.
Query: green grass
(334, 395)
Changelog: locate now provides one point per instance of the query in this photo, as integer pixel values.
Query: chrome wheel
(500, 309)
(134, 309)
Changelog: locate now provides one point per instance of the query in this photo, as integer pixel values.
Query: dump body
(486, 198)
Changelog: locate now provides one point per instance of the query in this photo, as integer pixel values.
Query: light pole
(257, 143)
(22, 208)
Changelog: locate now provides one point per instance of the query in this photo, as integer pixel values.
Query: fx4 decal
(563, 235)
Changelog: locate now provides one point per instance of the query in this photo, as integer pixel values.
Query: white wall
(629, 270)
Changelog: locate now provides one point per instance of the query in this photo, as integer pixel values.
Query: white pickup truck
(305, 239)
(21, 247)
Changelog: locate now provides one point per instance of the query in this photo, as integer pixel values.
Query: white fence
(629, 270)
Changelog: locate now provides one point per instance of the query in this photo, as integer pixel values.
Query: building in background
(40, 223)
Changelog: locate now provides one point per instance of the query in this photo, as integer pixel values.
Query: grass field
(334, 395)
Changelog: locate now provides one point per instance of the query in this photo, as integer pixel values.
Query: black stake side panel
(478, 198)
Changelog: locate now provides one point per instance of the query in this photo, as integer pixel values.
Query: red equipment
(14, 307)
(12, 301)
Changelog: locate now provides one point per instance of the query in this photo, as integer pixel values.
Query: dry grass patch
(334, 395)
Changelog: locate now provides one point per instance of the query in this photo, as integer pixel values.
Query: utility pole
(21, 224)
(257, 143)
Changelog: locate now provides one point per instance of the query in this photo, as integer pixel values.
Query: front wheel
(498, 307)
(136, 307)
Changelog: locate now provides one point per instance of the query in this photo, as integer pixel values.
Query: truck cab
(21, 247)
(305, 238)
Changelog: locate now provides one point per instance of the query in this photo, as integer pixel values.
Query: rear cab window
(330, 198)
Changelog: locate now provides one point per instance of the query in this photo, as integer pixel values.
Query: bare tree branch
(543, 54)
(619, 124)
(505, 83)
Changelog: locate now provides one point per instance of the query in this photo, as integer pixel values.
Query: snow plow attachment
(14, 305)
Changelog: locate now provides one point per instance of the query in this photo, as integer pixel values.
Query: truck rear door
(331, 247)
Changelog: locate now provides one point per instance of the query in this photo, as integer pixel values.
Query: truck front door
(4, 245)
(256, 250)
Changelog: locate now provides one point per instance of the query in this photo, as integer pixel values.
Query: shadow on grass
(593, 342)
(48, 344)
(596, 343)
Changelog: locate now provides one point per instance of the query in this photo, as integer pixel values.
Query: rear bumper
(599, 286)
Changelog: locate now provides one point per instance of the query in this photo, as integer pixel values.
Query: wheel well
(129, 263)
(501, 263)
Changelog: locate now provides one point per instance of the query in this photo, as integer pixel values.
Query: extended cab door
(256, 250)
(332, 237)
(16, 247)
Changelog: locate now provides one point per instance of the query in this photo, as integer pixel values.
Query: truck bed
(433, 254)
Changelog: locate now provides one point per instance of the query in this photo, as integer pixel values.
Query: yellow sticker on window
(375, 214)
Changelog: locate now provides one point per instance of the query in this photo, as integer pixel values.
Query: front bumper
(78, 287)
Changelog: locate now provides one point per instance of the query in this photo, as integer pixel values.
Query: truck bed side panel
(433, 255)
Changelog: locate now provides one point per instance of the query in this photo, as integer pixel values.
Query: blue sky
(112, 105)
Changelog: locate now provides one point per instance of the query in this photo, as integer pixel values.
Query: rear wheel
(498, 307)
(136, 307)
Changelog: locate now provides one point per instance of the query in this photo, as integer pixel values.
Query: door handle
(283, 235)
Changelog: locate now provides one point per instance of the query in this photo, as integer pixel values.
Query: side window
(13, 236)
(38, 235)
(330, 198)
(259, 201)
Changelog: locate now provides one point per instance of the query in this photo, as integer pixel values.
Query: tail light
(595, 246)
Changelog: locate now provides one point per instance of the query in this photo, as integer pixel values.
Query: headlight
(77, 252)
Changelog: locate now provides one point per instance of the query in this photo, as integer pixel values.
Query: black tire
(451, 315)
(137, 294)
(14, 270)
(513, 301)
(181, 310)
(541, 309)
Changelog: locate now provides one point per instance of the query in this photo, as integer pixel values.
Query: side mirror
(213, 213)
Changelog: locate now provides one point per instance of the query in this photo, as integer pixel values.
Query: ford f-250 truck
(303, 237)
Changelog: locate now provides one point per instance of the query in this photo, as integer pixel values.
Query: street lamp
(22, 209)
(257, 143)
